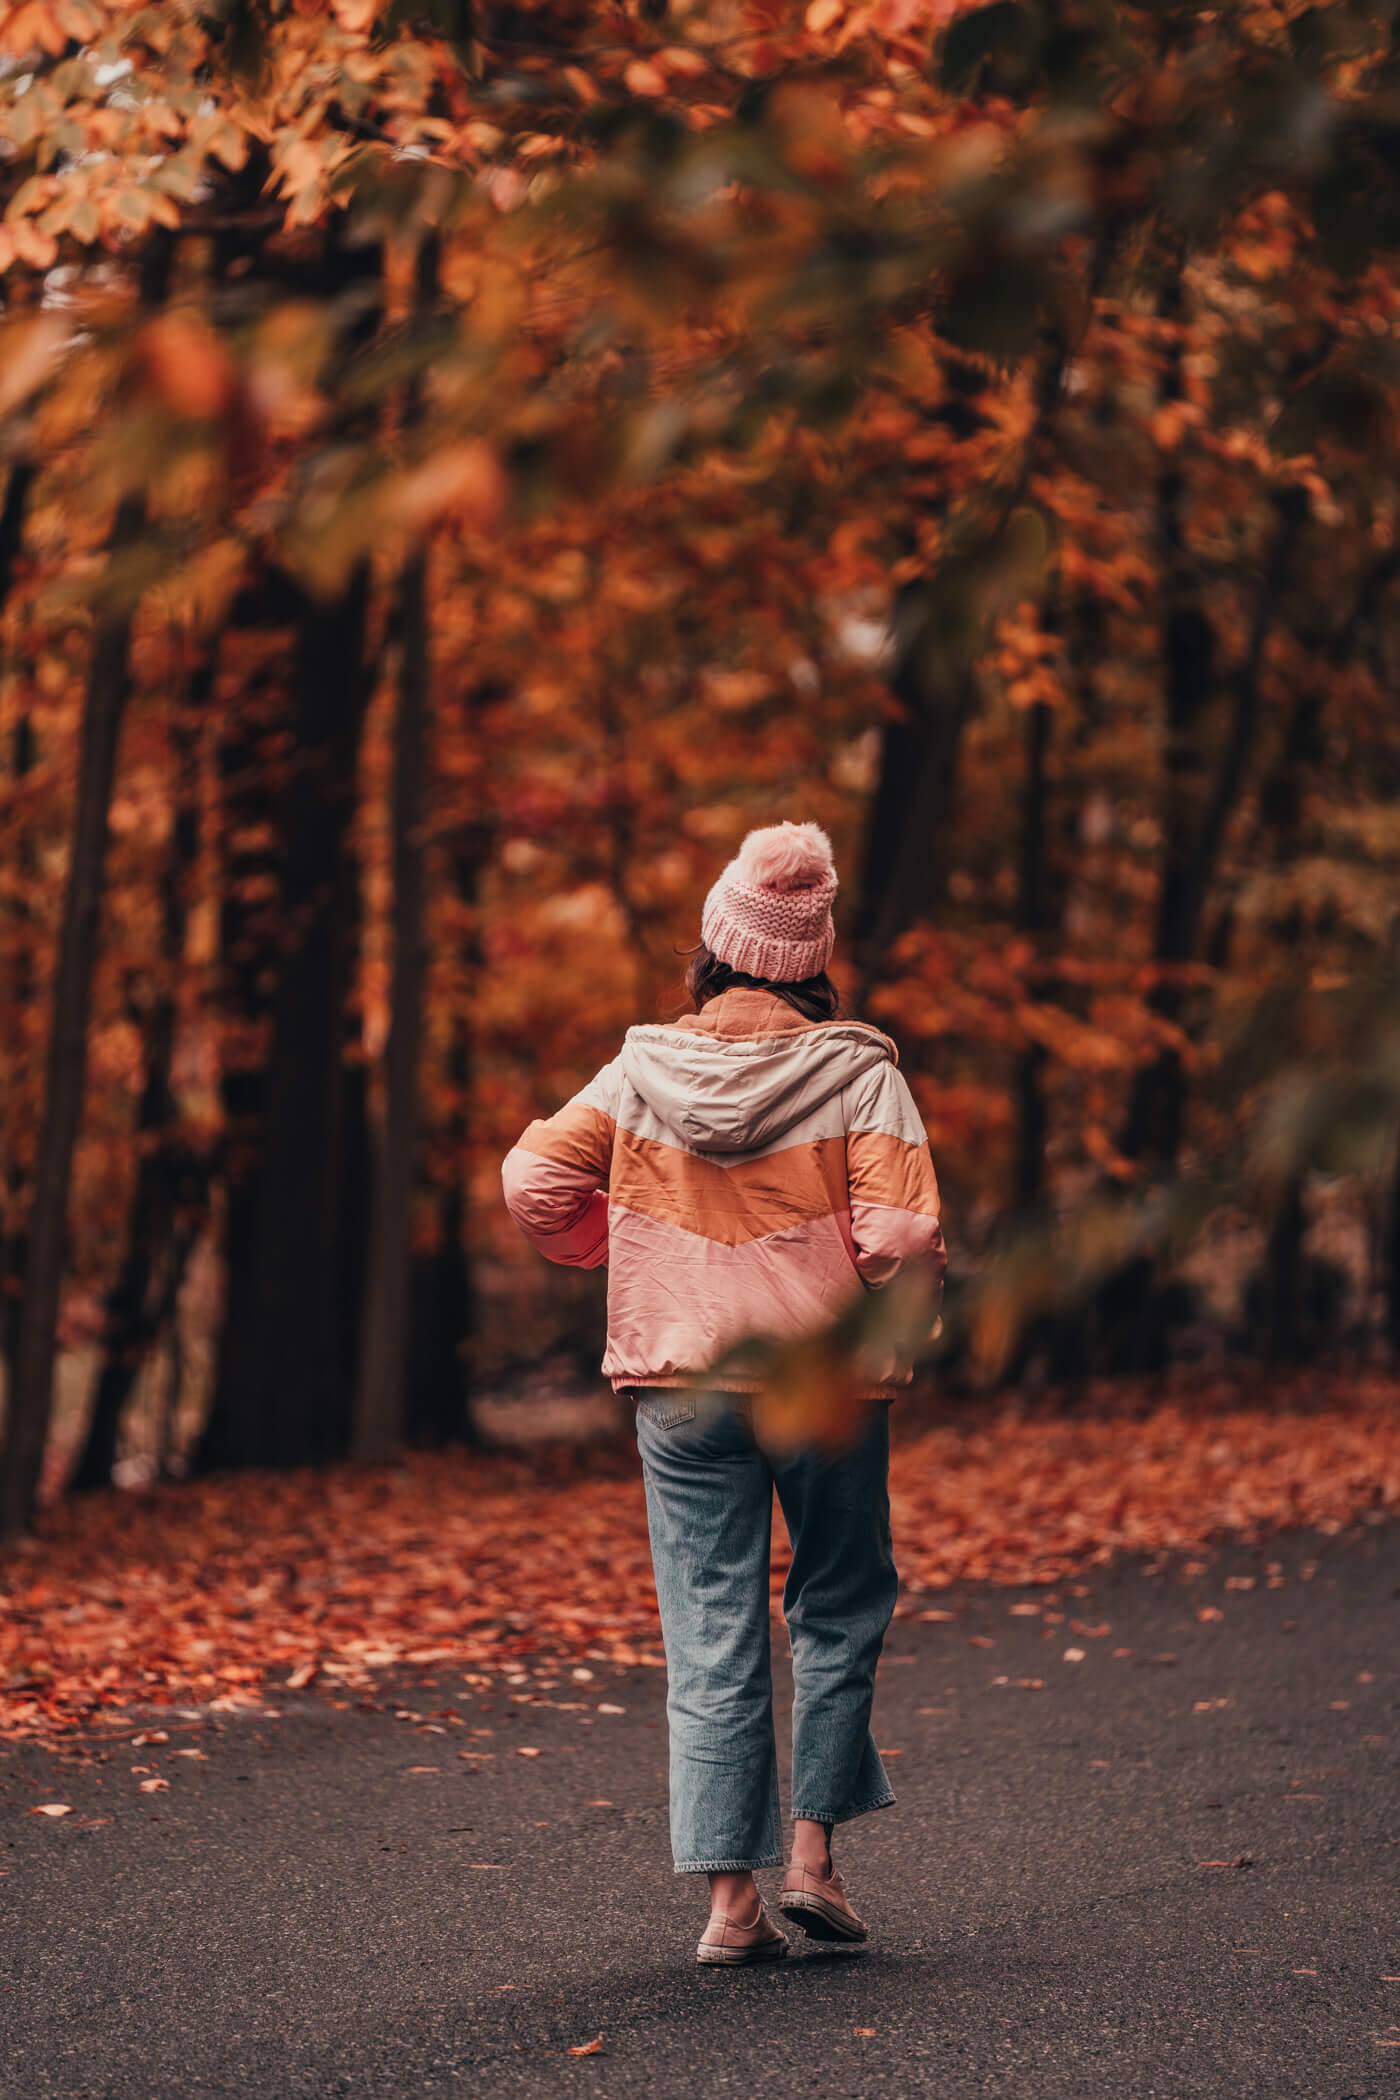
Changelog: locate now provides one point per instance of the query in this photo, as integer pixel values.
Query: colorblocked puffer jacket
(743, 1172)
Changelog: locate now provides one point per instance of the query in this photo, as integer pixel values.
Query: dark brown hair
(815, 998)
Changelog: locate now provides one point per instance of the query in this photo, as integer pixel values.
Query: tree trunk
(1391, 1243)
(444, 1302)
(1033, 915)
(295, 1214)
(12, 513)
(30, 1398)
(12, 1238)
(31, 1392)
(381, 1397)
(1283, 1276)
(248, 760)
(170, 1182)
(1198, 808)
(285, 1375)
(906, 860)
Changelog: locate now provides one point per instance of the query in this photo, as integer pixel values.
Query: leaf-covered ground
(214, 1592)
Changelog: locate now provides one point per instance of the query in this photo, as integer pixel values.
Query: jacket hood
(737, 1094)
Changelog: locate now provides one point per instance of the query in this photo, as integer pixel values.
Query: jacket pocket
(666, 1410)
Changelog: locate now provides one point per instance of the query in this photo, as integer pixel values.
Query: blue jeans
(709, 1492)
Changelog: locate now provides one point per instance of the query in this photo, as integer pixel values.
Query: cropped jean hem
(728, 1866)
(845, 1815)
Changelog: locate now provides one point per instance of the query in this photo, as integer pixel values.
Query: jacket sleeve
(893, 1189)
(556, 1178)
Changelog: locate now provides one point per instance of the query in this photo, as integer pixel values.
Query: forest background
(464, 465)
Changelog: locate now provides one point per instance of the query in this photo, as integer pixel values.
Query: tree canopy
(466, 463)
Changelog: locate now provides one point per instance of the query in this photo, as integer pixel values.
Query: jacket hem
(651, 1381)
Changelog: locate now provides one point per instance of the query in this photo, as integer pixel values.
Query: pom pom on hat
(785, 857)
(769, 914)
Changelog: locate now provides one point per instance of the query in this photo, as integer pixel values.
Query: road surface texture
(336, 1902)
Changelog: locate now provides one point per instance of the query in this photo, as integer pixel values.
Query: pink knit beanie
(769, 914)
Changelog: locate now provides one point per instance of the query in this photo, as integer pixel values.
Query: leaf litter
(211, 1592)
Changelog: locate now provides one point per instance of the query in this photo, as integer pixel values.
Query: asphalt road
(305, 1913)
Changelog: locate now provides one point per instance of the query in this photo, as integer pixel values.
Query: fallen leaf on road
(525, 1750)
(600, 1804)
(57, 1808)
(155, 1786)
(1024, 1611)
(1305, 1972)
(980, 1640)
(507, 1986)
(486, 1866)
(1339, 1706)
(587, 2048)
(301, 1676)
(425, 1768)
(1010, 1501)
(891, 1753)
(612, 1709)
(1208, 1612)
(862, 2030)
(202, 1755)
(1074, 1655)
(1244, 1860)
(156, 1735)
(1090, 1633)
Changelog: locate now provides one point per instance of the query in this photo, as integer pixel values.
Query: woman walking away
(747, 1171)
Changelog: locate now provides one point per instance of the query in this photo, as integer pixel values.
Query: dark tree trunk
(169, 1197)
(109, 680)
(906, 856)
(1283, 1276)
(296, 1205)
(12, 514)
(284, 1374)
(1195, 821)
(31, 1392)
(381, 1398)
(937, 637)
(1033, 916)
(444, 1301)
(1281, 804)
(381, 1378)
(1392, 1260)
(12, 1238)
(444, 1319)
(14, 1241)
(248, 763)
